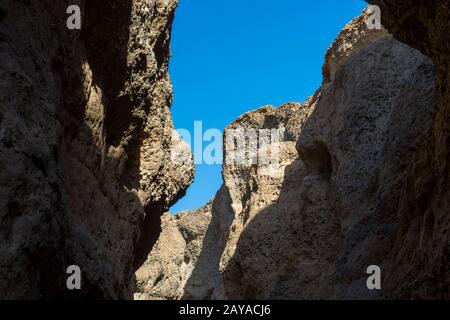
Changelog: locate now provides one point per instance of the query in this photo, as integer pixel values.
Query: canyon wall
(422, 248)
(85, 165)
(85, 144)
(310, 226)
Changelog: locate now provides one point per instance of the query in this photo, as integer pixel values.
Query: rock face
(184, 263)
(310, 226)
(422, 248)
(175, 254)
(85, 144)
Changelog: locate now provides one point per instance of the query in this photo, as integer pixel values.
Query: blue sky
(229, 57)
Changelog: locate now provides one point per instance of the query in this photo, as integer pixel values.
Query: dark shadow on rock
(287, 251)
(204, 277)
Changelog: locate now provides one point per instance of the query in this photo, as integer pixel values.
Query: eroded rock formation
(85, 172)
(85, 144)
(422, 248)
(332, 207)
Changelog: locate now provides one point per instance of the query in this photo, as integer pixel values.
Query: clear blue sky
(232, 56)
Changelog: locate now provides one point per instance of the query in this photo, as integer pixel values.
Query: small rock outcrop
(85, 144)
(310, 226)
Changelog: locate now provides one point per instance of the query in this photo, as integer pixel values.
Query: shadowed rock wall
(85, 144)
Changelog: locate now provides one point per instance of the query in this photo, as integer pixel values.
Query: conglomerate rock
(310, 226)
(85, 144)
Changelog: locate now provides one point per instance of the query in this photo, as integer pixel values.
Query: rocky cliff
(310, 225)
(362, 175)
(85, 144)
(422, 248)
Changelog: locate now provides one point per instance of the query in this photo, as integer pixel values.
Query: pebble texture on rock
(310, 229)
(85, 144)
